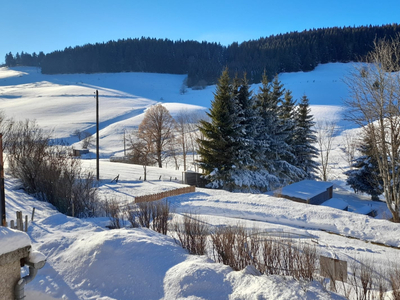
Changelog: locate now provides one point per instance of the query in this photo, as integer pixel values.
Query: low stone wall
(10, 271)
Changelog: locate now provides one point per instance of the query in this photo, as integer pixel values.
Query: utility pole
(97, 135)
(124, 143)
(2, 192)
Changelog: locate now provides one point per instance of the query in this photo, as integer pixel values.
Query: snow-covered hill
(65, 103)
(85, 260)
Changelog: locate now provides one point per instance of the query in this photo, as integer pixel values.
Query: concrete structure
(14, 249)
(10, 271)
(15, 252)
(307, 191)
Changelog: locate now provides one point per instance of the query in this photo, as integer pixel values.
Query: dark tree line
(24, 59)
(204, 62)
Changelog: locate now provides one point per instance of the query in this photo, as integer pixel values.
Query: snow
(11, 240)
(336, 203)
(36, 257)
(305, 189)
(86, 260)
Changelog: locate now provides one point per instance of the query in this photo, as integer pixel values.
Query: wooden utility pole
(97, 135)
(124, 142)
(2, 192)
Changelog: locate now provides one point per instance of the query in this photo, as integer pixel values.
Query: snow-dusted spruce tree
(286, 118)
(271, 136)
(219, 140)
(248, 173)
(365, 177)
(374, 105)
(304, 139)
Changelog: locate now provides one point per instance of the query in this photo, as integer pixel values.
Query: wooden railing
(162, 195)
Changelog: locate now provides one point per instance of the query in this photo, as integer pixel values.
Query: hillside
(52, 99)
(85, 260)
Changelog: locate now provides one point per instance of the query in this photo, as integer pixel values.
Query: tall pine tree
(272, 136)
(219, 140)
(304, 138)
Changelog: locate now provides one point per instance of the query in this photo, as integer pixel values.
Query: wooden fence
(162, 195)
(19, 224)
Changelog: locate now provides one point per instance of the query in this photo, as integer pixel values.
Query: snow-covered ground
(85, 260)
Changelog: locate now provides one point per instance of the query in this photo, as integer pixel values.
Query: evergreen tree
(304, 138)
(10, 61)
(287, 123)
(365, 176)
(246, 125)
(271, 134)
(219, 140)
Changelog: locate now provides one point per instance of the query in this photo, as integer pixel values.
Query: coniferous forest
(203, 62)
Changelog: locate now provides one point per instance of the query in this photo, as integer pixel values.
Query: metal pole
(2, 192)
(97, 135)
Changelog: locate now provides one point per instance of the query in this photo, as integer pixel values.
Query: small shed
(308, 191)
(193, 178)
(79, 152)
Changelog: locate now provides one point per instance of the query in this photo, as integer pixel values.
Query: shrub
(152, 215)
(192, 234)
(114, 213)
(49, 172)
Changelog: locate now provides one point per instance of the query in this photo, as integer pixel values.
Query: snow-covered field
(85, 260)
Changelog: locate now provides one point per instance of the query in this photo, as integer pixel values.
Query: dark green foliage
(244, 145)
(304, 138)
(220, 141)
(203, 62)
(365, 176)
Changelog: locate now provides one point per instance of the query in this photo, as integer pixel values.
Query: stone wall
(10, 271)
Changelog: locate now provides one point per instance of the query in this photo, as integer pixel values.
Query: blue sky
(44, 25)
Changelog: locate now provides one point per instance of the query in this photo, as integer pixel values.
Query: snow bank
(11, 240)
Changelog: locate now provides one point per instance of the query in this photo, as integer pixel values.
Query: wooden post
(97, 135)
(26, 223)
(20, 225)
(2, 192)
(33, 214)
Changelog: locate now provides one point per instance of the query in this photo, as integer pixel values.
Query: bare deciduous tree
(374, 104)
(186, 129)
(157, 127)
(326, 131)
(351, 141)
(142, 152)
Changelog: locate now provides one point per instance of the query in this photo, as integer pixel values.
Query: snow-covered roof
(336, 203)
(364, 210)
(11, 240)
(305, 189)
